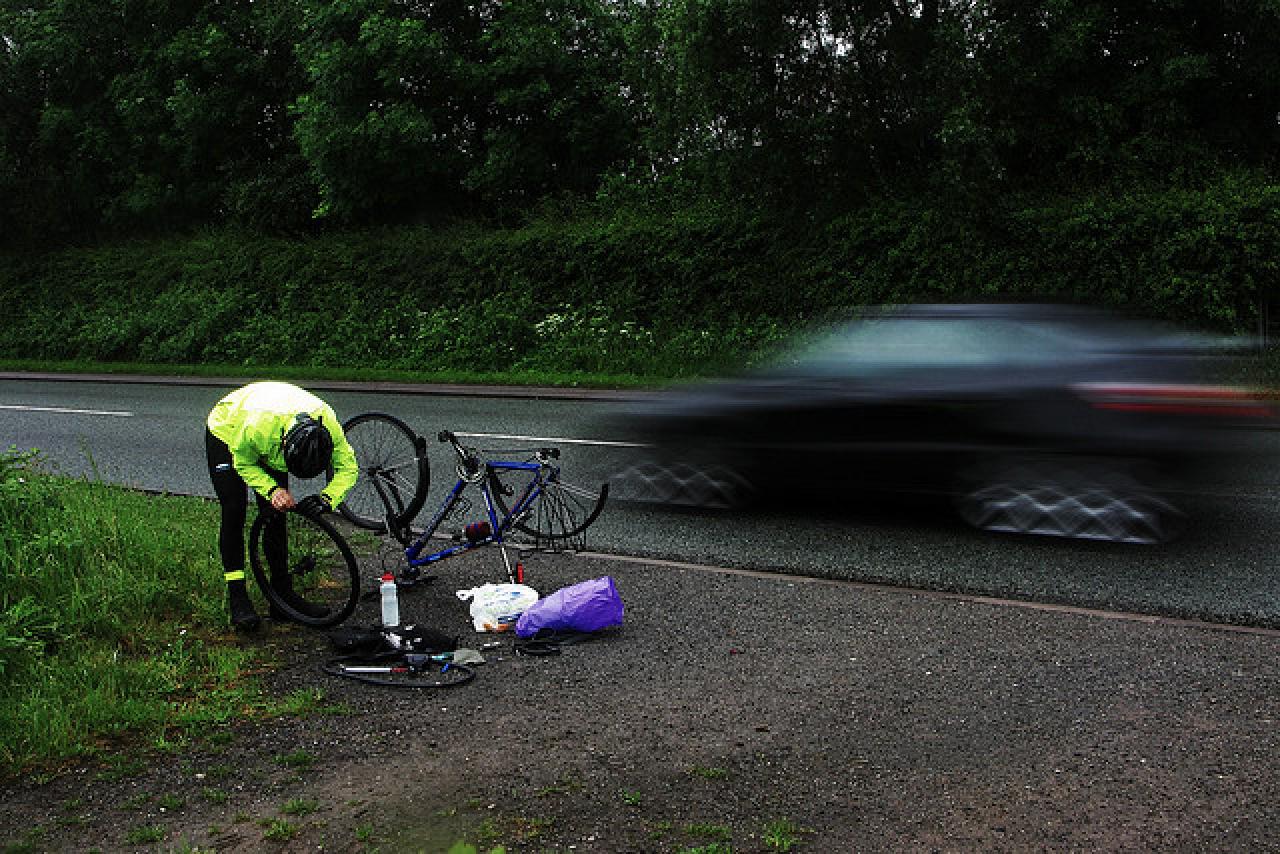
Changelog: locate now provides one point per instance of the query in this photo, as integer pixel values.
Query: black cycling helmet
(308, 447)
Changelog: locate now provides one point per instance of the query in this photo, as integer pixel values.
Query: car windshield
(897, 343)
(904, 343)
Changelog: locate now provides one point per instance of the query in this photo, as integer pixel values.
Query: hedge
(648, 292)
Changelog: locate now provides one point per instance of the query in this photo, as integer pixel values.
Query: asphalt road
(874, 719)
(1223, 569)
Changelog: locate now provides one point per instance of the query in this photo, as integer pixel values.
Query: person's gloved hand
(314, 505)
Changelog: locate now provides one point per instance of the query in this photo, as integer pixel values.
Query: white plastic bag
(496, 607)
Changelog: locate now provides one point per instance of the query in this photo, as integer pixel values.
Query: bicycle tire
(322, 569)
(390, 453)
(562, 512)
(404, 677)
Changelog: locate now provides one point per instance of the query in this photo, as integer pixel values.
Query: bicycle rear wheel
(306, 571)
(560, 515)
(401, 670)
(394, 474)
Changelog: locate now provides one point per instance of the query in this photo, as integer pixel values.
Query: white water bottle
(390, 605)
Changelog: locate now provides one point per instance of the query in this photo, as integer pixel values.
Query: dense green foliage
(123, 115)
(648, 187)
(112, 620)
(655, 294)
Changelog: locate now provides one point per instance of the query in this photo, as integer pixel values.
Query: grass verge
(1258, 369)
(528, 378)
(113, 631)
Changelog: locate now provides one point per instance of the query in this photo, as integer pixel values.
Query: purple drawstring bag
(587, 606)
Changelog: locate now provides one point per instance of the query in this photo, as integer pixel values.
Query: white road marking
(65, 411)
(558, 440)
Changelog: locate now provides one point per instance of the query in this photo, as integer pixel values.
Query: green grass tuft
(113, 630)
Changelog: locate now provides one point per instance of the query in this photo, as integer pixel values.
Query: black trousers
(233, 496)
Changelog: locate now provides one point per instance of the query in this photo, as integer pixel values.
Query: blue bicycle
(523, 492)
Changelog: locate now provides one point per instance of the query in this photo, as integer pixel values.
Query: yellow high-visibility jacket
(253, 420)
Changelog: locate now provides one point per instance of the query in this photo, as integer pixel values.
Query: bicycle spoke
(389, 459)
(589, 496)
(559, 516)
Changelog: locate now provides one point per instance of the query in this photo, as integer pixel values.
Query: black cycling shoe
(243, 617)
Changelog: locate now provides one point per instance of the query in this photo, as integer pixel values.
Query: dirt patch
(730, 713)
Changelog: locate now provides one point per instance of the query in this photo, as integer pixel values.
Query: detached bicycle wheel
(401, 670)
(304, 568)
(562, 512)
(394, 474)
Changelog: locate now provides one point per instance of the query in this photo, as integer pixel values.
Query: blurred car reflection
(1032, 418)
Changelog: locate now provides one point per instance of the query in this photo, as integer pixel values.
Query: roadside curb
(900, 590)
(437, 389)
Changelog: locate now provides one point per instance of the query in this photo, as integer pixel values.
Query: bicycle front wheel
(304, 568)
(394, 474)
(561, 513)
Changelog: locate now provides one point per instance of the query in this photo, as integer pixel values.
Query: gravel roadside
(732, 712)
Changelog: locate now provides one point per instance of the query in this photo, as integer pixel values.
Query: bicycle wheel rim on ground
(389, 455)
(323, 573)
(396, 673)
(559, 516)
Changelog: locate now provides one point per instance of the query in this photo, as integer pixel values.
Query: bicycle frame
(522, 491)
(471, 470)
(413, 553)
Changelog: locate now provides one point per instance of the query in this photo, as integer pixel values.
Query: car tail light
(1226, 402)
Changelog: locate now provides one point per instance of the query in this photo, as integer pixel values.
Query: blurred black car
(1032, 418)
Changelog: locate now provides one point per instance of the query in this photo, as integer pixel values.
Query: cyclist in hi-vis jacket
(258, 435)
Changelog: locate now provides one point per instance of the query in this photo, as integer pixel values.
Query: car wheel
(1055, 498)
(710, 485)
